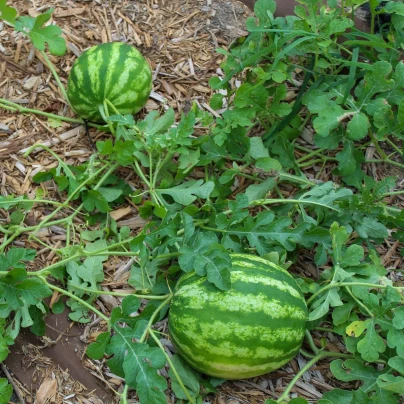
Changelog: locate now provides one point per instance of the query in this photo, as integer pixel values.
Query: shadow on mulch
(65, 354)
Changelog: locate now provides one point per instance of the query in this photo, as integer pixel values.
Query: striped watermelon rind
(254, 328)
(114, 71)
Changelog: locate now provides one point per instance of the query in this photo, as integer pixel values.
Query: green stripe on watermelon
(255, 327)
(254, 348)
(114, 71)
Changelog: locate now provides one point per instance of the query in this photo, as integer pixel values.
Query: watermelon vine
(198, 220)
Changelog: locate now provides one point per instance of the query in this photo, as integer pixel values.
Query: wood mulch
(179, 38)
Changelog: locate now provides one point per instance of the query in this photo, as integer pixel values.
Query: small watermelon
(114, 71)
(254, 328)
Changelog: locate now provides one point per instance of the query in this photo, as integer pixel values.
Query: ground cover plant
(348, 89)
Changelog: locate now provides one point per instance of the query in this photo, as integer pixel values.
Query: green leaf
(14, 256)
(39, 35)
(348, 158)
(257, 148)
(247, 96)
(322, 304)
(341, 314)
(262, 8)
(268, 164)
(19, 292)
(391, 383)
(259, 191)
(4, 351)
(216, 102)
(264, 231)
(84, 275)
(398, 319)
(110, 194)
(328, 119)
(96, 350)
(397, 363)
(358, 127)
(54, 122)
(140, 366)
(188, 377)
(95, 200)
(370, 228)
(205, 256)
(7, 14)
(354, 370)
(336, 396)
(352, 256)
(154, 126)
(375, 81)
(37, 313)
(6, 391)
(372, 344)
(187, 192)
(126, 120)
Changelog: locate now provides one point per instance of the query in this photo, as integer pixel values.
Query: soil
(179, 38)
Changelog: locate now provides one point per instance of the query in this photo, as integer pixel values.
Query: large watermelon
(114, 71)
(254, 328)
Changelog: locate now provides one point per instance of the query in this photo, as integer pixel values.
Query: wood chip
(118, 214)
(47, 391)
(61, 13)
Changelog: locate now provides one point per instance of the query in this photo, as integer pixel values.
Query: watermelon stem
(123, 395)
(310, 341)
(71, 295)
(172, 367)
(108, 102)
(104, 292)
(103, 108)
(341, 284)
(304, 369)
(51, 152)
(12, 106)
(56, 76)
(151, 321)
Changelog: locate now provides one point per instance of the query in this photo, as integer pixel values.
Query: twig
(12, 382)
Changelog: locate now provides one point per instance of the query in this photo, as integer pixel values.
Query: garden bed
(179, 40)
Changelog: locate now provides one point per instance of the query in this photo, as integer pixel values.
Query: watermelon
(114, 71)
(254, 328)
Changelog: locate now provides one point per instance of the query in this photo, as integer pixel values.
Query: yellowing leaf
(356, 328)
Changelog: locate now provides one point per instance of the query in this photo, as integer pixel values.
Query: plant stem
(109, 103)
(358, 302)
(394, 146)
(308, 155)
(320, 160)
(325, 329)
(61, 162)
(172, 367)
(55, 75)
(166, 301)
(295, 178)
(377, 146)
(82, 302)
(139, 172)
(311, 342)
(75, 192)
(104, 292)
(298, 201)
(15, 107)
(321, 355)
(341, 284)
(392, 162)
(124, 395)
(106, 116)
(393, 193)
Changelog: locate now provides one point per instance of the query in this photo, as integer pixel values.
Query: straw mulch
(179, 38)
